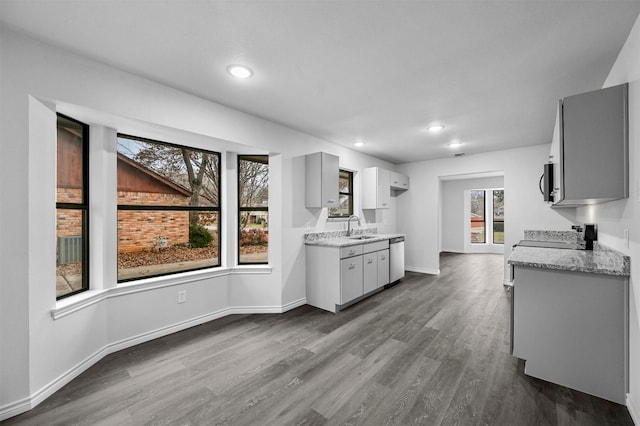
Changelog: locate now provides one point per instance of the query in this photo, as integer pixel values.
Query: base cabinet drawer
(351, 279)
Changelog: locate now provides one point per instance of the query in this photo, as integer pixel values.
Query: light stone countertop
(340, 239)
(600, 260)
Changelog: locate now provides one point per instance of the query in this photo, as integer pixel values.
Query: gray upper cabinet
(321, 185)
(593, 148)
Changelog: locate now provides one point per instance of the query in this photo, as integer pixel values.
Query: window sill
(85, 299)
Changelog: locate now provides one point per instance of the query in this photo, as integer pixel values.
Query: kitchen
(124, 100)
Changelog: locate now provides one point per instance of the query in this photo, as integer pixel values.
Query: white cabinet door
(376, 189)
(399, 181)
(383, 267)
(321, 185)
(370, 265)
(350, 279)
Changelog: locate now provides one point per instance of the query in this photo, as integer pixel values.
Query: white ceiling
(380, 71)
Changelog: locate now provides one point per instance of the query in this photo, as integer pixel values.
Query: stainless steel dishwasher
(396, 259)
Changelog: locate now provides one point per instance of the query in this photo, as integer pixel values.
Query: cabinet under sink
(340, 276)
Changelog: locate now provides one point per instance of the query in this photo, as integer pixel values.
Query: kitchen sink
(362, 237)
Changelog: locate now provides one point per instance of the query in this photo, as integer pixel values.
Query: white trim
(26, 404)
(295, 304)
(422, 270)
(633, 410)
(83, 300)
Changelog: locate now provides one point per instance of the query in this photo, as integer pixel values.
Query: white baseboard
(422, 270)
(634, 410)
(26, 404)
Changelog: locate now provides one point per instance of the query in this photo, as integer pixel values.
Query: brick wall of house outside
(69, 222)
(142, 229)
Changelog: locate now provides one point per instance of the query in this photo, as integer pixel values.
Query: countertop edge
(347, 242)
(605, 261)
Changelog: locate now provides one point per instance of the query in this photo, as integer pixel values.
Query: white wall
(40, 354)
(454, 214)
(418, 212)
(614, 217)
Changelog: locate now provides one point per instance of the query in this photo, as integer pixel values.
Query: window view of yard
(478, 223)
(253, 200)
(71, 207)
(168, 208)
(479, 220)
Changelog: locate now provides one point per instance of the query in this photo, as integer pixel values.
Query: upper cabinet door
(399, 181)
(594, 146)
(322, 172)
(376, 189)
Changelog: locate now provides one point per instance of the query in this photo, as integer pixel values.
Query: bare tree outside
(168, 208)
(253, 212)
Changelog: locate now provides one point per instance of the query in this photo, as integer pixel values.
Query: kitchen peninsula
(570, 315)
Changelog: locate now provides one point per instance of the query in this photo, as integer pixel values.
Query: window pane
(158, 242)
(253, 181)
(70, 157)
(478, 228)
(254, 237)
(344, 181)
(253, 192)
(498, 216)
(69, 251)
(343, 209)
(345, 188)
(153, 173)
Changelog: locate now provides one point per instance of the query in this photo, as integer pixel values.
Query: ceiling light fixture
(435, 128)
(358, 144)
(455, 144)
(240, 71)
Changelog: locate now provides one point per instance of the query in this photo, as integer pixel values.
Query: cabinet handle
(331, 201)
(370, 261)
(352, 266)
(383, 258)
(352, 252)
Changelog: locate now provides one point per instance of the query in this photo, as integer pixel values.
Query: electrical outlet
(182, 296)
(626, 238)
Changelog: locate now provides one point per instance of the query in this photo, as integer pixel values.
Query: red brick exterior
(143, 229)
(69, 222)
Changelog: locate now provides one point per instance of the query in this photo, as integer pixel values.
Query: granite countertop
(340, 239)
(600, 260)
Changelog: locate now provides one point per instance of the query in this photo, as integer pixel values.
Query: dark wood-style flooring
(430, 350)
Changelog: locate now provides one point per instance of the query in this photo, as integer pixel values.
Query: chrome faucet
(349, 224)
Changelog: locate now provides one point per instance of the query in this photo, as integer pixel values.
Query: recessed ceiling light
(435, 128)
(455, 144)
(358, 144)
(240, 71)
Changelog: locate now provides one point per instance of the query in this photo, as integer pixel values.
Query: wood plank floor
(430, 350)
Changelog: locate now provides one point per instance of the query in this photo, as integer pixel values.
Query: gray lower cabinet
(338, 276)
(383, 267)
(351, 279)
(571, 329)
(370, 272)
